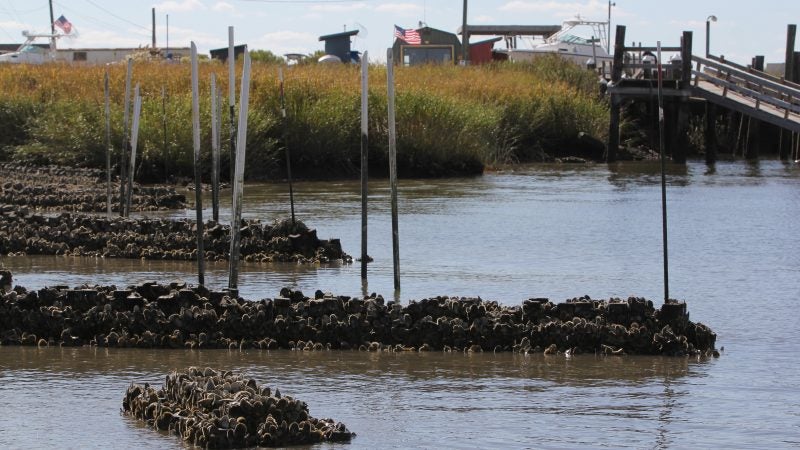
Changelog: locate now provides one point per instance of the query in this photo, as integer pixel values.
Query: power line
(116, 16)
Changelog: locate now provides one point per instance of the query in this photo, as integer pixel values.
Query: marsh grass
(450, 120)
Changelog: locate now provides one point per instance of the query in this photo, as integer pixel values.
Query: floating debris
(218, 409)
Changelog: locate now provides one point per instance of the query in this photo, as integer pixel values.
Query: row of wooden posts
(238, 146)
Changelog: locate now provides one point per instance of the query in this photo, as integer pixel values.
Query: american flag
(64, 24)
(410, 36)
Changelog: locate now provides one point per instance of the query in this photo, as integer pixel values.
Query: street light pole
(709, 19)
(608, 39)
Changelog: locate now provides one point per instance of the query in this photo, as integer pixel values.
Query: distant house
(437, 47)
(222, 53)
(109, 55)
(338, 45)
(482, 52)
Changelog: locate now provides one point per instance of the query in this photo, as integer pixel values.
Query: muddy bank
(155, 315)
(24, 233)
(219, 409)
(57, 188)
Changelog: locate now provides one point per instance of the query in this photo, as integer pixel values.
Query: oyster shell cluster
(219, 409)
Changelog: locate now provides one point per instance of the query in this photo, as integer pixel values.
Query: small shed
(436, 47)
(222, 53)
(481, 52)
(338, 45)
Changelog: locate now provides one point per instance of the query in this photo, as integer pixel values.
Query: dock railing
(747, 82)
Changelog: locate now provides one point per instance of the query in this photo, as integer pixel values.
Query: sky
(742, 30)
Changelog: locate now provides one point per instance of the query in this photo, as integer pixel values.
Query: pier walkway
(720, 83)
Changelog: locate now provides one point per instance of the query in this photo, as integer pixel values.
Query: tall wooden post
(686, 59)
(711, 133)
(616, 101)
(238, 185)
(393, 167)
(123, 162)
(108, 143)
(232, 101)
(198, 191)
(286, 143)
(164, 126)
(214, 151)
(137, 109)
(789, 69)
(364, 161)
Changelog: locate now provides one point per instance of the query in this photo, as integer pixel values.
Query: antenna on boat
(663, 169)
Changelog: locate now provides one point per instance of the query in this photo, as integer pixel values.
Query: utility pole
(608, 40)
(52, 19)
(464, 36)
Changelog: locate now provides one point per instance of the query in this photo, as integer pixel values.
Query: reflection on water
(397, 400)
(554, 231)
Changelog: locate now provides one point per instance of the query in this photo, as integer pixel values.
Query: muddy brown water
(552, 231)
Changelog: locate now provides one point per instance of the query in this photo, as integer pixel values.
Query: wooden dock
(721, 83)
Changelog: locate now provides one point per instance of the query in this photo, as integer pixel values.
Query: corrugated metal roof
(512, 30)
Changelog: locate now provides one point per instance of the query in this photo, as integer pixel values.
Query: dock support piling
(753, 139)
(789, 69)
(616, 101)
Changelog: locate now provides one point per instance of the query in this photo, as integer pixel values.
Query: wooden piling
(364, 161)
(753, 139)
(108, 143)
(214, 151)
(198, 190)
(232, 102)
(286, 143)
(681, 131)
(393, 167)
(238, 185)
(711, 133)
(123, 172)
(616, 101)
(789, 67)
(164, 126)
(137, 109)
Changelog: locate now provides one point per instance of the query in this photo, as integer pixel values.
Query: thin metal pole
(232, 102)
(108, 144)
(137, 109)
(214, 151)
(198, 192)
(52, 19)
(286, 143)
(663, 174)
(238, 188)
(364, 162)
(123, 172)
(393, 168)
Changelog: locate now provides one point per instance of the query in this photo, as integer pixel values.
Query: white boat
(579, 49)
(28, 53)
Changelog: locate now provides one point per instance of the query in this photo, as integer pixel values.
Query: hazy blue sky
(743, 29)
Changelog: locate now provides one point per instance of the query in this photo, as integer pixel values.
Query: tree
(265, 56)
